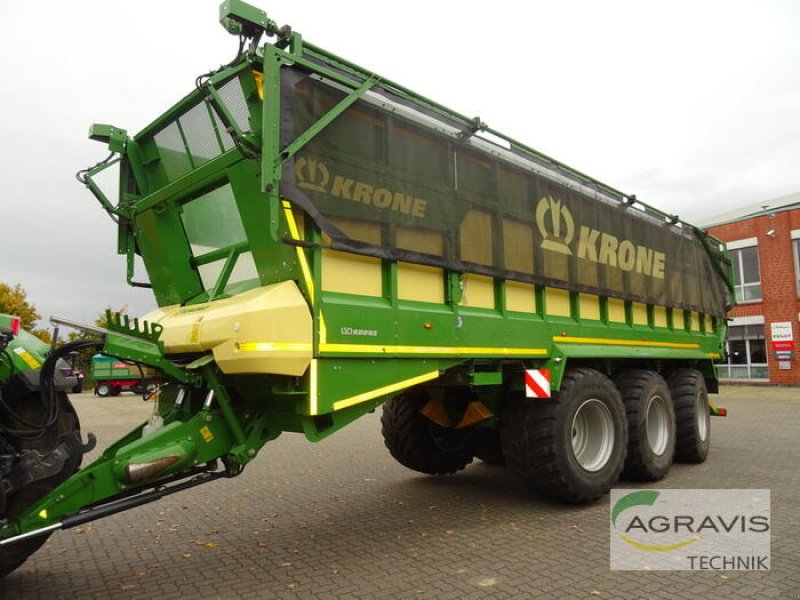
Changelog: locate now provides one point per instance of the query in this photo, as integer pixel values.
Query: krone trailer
(322, 241)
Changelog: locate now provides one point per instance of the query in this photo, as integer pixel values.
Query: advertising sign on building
(782, 340)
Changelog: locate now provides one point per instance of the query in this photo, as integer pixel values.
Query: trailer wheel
(418, 443)
(31, 409)
(651, 424)
(692, 415)
(571, 447)
(103, 390)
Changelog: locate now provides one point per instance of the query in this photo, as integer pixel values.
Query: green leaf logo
(643, 498)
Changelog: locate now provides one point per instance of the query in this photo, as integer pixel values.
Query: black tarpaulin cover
(402, 184)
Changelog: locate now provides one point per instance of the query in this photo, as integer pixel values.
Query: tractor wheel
(692, 415)
(31, 409)
(103, 390)
(571, 447)
(418, 443)
(651, 424)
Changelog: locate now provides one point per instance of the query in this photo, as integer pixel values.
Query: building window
(747, 354)
(746, 274)
(796, 247)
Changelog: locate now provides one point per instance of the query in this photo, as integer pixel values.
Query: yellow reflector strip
(385, 390)
(714, 355)
(313, 387)
(323, 329)
(276, 347)
(457, 350)
(43, 513)
(618, 342)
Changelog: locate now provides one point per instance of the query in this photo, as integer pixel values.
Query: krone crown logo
(557, 230)
(312, 174)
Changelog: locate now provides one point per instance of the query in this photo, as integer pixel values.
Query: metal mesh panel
(227, 139)
(233, 97)
(172, 151)
(200, 135)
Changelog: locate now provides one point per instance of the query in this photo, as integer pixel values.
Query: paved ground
(342, 520)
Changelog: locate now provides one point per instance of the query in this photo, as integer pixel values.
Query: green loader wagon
(321, 241)
(112, 376)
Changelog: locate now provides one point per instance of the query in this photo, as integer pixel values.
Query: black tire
(692, 415)
(31, 408)
(103, 390)
(573, 446)
(651, 424)
(487, 447)
(418, 443)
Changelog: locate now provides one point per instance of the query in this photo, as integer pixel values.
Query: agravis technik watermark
(725, 530)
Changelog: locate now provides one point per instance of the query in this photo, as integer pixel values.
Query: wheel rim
(657, 424)
(592, 435)
(702, 416)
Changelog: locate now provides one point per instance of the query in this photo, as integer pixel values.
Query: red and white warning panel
(537, 383)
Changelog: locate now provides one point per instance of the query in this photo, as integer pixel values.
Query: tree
(102, 320)
(14, 301)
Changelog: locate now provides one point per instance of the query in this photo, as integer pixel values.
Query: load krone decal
(557, 228)
(315, 176)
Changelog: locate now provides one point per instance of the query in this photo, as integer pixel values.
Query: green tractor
(322, 241)
(40, 442)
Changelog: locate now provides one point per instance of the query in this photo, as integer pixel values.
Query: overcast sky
(693, 106)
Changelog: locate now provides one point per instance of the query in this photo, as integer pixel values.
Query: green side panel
(275, 261)
(445, 330)
(207, 235)
(107, 367)
(623, 351)
(167, 256)
(345, 383)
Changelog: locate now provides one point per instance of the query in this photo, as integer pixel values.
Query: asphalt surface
(341, 519)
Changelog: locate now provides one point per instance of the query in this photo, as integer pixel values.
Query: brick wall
(779, 290)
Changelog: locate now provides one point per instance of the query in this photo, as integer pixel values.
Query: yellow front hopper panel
(265, 330)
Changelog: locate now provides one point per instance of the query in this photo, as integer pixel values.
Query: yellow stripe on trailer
(619, 342)
(385, 390)
(438, 350)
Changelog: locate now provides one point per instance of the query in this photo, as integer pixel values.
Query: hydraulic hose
(47, 376)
